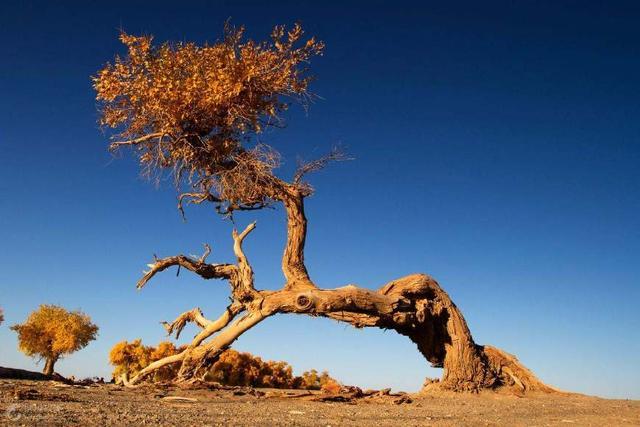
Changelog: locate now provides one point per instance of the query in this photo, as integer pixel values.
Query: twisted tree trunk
(415, 306)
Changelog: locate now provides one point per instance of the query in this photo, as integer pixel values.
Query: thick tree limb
(245, 276)
(293, 267)
(218, 324)
(151, 368)
(209, 328)
(202, 356)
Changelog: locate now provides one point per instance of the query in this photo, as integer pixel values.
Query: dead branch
(217, 325)
(196, 199)
(203, 355)
(204, 270)
(243, 288)
(237, 244)
(195, 315)
(335, 155)
(136, 141)
(151, 368)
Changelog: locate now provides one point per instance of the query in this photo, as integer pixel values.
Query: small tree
(51, 332)
(1, 316)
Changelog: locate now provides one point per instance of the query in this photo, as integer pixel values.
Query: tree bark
(417, 307)
(293, 267)
(48, 365)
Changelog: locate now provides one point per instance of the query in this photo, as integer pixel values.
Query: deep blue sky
(496, 145)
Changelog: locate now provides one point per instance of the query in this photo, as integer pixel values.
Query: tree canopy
(194, 109)
(51, 332)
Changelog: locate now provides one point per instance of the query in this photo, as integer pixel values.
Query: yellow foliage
(51, 332)
(231, 368)
(331, 386)
(189, 108)
(131, 357)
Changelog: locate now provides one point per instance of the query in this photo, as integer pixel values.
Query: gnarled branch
(243, 283)
(293, 265)
(195, 315)
(201, 268)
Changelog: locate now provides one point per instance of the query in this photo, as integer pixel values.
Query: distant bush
(232, 368)
(132, 357)
(311, 380)
(331, 387)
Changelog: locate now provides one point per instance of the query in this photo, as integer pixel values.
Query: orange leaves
(206, 100)
(231, 368)
(221, 88)
(244, 369)
(331, 386)
(51, 332)
(131, 357)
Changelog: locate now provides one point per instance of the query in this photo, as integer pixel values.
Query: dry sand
(25, 402)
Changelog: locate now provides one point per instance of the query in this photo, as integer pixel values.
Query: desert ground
(25, 402)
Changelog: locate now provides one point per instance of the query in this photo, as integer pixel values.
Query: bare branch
(207, 252)
(238, 238)
(336, 155)
(136, 141)
(196, 199)
(195, 315)
(211, 328)
(151, 368)
(204, 270)
(218, 324)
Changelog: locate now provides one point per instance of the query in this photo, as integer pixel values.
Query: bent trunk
(415, 306)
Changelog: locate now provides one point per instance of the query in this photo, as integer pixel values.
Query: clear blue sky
(496, 145)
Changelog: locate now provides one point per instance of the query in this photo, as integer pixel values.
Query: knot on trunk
(304, 302)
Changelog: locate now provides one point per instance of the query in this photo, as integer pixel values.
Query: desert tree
(51, 332)
(195, 111)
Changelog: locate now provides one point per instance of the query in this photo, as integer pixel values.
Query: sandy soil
(25, 402)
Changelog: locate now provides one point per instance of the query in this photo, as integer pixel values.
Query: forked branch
(195, 315)
(243, 286)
